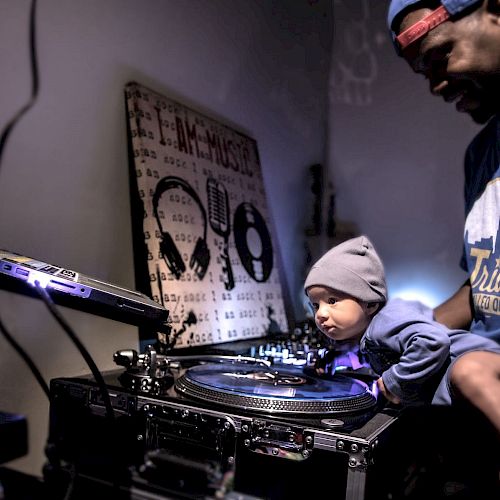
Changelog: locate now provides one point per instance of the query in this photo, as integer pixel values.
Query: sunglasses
(422, 27)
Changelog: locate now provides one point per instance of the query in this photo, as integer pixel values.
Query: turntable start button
(332, 422)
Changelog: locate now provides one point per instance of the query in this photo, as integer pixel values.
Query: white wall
(395, 156)
(260, 65)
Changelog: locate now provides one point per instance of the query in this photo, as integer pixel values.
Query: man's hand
(388, 395)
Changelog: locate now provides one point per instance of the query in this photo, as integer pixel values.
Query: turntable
(271, 391)
(210, 426)
(245, 383)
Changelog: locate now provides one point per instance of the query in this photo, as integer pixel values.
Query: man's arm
(457, 312)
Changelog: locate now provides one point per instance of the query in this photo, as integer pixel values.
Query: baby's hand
(326, 363)
(388, 395)
(320, 371)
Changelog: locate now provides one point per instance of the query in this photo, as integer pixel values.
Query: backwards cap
(352, 267)
(452, 7)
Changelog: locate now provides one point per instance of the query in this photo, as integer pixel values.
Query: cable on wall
(35, 81)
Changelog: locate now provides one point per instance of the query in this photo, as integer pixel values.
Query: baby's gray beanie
(352, 267)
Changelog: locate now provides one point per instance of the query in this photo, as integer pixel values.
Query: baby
(414, 356)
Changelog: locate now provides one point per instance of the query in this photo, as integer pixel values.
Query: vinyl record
(274, 390)
(253, 242)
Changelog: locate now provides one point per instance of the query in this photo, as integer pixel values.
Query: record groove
(274, 391)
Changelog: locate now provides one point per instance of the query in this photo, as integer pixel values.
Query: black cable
(35, 86)
(35, 81)
(103, 389)
(44, 295)
(36, 372)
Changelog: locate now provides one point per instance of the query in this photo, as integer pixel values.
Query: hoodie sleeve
(418, 346)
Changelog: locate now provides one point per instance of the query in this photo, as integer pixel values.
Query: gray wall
(394, 153)
(260, 65)
(395, 156)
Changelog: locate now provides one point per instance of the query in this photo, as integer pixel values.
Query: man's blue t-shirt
(481, 257)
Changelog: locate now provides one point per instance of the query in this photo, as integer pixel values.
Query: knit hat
(453, 7)
(352, 267)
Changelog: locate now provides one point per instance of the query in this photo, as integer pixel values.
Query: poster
(205, 224)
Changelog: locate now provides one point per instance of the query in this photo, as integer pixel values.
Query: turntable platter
(274, 390)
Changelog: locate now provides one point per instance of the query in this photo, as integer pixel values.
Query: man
(455, 44)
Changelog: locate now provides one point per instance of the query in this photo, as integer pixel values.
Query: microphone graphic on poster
(218, 216)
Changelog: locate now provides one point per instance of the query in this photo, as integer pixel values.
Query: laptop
(19, 273)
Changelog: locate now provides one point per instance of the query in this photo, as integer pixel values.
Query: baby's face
(338, 315)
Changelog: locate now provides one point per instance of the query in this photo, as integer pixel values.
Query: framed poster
(202, 240)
